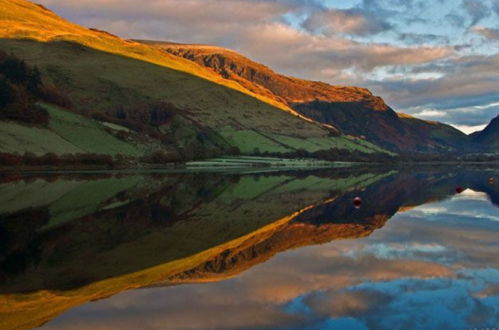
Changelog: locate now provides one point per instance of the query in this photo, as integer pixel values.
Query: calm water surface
(285, 250)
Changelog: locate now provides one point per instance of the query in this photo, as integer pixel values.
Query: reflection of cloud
(492, 290)
(401, 251)
(347, 303)
(409, 303)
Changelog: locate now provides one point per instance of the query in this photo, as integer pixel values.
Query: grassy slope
(92, 69)
(67, 133)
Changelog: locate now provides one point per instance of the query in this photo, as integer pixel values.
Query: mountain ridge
(354, 110)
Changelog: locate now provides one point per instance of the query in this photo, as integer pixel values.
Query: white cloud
(431, 113)
(469, 129)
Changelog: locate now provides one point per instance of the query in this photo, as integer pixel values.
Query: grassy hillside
(103, 74)
(67, 133)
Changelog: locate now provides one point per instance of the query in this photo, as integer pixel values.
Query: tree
(14, 70)
(34, 81)
(5, 93)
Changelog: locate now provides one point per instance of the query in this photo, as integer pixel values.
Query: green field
(67, 133)
(88, 135)
(249, 141)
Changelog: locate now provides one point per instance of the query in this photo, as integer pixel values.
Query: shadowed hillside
(488, 138)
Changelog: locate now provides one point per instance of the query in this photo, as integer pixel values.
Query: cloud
(352, 21)
(431, 113)
(200, 21)
(468, 84)
(309, 55)
(423, 38)
(347, 303)
(470, 129)
(495, 7)
(488, 33)
(476, 9)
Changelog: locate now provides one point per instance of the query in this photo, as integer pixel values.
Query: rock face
(353, 110)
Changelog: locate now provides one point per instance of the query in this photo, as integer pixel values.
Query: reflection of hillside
(338, 219)
(174, 229)
(258, 249)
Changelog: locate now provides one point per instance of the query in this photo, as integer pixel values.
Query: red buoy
(357, 202)
(491, 180)
(459, 189)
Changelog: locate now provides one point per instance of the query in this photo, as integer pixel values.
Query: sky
(437, 60)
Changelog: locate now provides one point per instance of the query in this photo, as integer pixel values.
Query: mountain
(488, 138)
(353, 110)
(145, 97)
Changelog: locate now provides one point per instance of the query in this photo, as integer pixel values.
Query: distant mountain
(353, 110)
(488, 138)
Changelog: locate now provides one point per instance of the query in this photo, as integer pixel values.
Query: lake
(358, 248)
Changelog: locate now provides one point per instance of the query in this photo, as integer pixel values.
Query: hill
(488, 138)
(169, 103)
(353, 110)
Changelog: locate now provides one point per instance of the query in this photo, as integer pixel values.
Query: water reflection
(70, 240)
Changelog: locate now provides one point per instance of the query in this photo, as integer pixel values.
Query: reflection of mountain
(338, 219)
(92, 238)
(88, 239)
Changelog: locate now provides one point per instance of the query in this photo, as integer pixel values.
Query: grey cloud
(495, 7)
(455, 19)
(466, 82)
(416, 38)
(476, 9)
(309, 56)
(350, 21)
